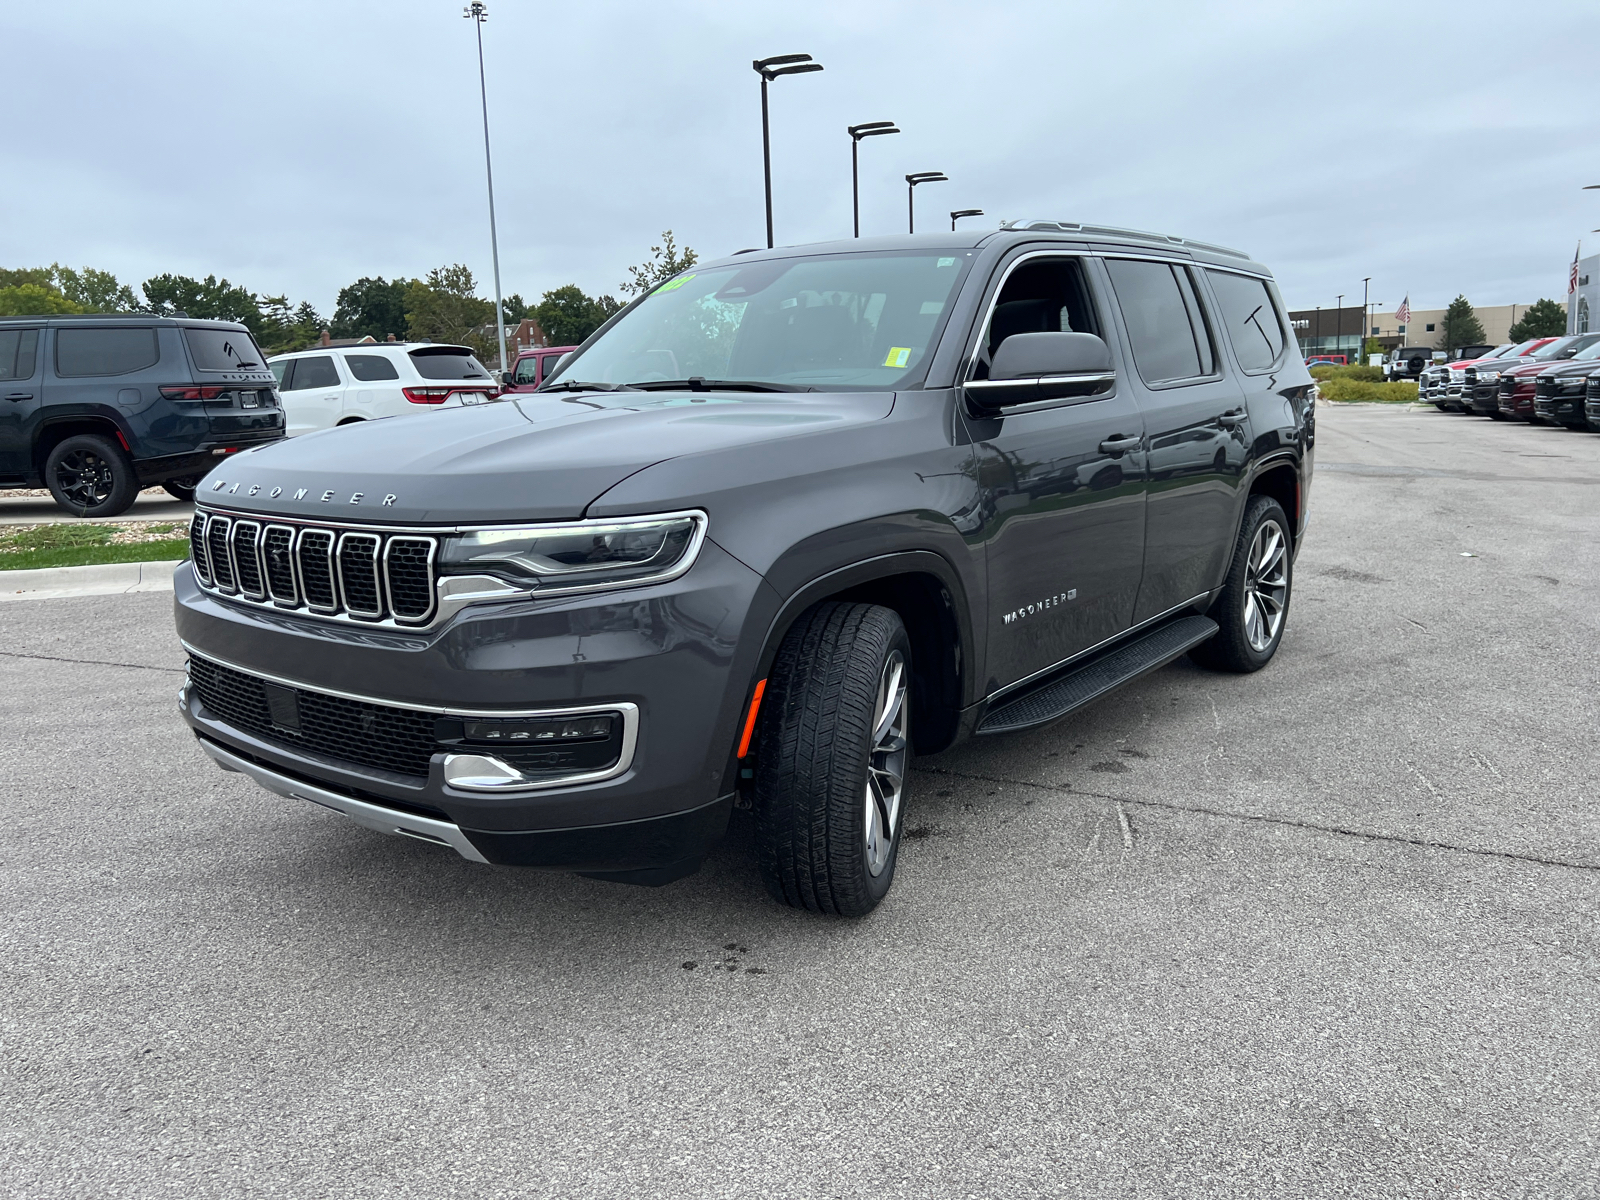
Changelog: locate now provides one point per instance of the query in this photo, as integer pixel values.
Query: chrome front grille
(370, 576)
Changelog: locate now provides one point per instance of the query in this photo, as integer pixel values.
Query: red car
(534, 366)
(1516, 384)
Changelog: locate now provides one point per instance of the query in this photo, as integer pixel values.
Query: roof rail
(1116, 231)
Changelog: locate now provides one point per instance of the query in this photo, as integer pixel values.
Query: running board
(1097, 677)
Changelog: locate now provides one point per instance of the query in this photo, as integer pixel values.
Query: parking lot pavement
(35, 507)
(1329, 930)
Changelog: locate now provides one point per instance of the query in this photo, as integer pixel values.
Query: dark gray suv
(97, 407)
(780, 524)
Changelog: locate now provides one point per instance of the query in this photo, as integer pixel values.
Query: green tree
(1544, 318)
(665, 261)
(94, 291)
(568, 316)
(33, 300)
(371, 308)
(1460, 326)
(209, 299)
(515, 308)
(446, 308)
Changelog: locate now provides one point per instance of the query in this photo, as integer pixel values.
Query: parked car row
(1544, 380)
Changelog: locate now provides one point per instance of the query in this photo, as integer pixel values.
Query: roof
(130, 318)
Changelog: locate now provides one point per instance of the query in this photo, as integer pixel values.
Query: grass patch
(1359, 391)
(82, 544)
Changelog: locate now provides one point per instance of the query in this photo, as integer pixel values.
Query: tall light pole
(857, 132)
(1366, 324)
(769, 69)
(1338, 323)
(477, 13)
(911, 192)
(963, 212)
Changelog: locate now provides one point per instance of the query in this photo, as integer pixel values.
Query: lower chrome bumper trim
(373, 816)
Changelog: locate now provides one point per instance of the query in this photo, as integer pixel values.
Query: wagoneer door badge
(326, 497)
(1039, 606)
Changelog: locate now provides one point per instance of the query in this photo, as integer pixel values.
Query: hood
(536, 457)
(1575, 366)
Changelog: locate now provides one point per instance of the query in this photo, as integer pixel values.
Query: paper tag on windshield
(898, 356)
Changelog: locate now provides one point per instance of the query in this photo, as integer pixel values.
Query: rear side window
(447, 363)
(551, 362)
(317, 372)
(526, 371)
(222, 349)
(83, 352)
(370, 368)
(1251, 319)
(19, 348)
(1166, 345)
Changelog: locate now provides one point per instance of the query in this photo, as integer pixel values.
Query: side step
(1100, 675)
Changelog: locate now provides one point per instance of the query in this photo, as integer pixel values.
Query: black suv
(97, 407)
(780, 523)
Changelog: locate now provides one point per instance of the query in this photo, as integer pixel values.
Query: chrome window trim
(377, 575)
(628, 710)
(233, 559)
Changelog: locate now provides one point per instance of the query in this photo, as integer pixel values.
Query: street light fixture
(911, 191)
(477, 13)
(857, 132)
(963, 212)
(769, 69)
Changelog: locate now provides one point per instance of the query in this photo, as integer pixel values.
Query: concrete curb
(102, 579)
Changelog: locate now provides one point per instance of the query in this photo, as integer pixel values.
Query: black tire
(90, 476)
(181, 489)
(815, 745)
(1441, 406)
(1232, 649)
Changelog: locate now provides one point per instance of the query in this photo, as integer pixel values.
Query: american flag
(1403, 313)
(1572, 276)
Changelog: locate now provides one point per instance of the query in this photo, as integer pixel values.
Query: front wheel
(1254, 603)
(90, 476)
(181, 489)
(833, 753)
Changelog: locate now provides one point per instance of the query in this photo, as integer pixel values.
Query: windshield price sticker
(674, 284)
(898, 356)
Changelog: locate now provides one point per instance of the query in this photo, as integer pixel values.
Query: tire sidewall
(1261, 510)
(124, 488)
(877, 886)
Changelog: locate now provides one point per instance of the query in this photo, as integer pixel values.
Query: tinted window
(1164, 345)
(1251, 320)
(104, 351)
(447, 363)
(1043, 295)
(281, 371)
(370, 367)
(526, 371)
(18, 350)
(318, 372)
(1197, 321)
(222, 349)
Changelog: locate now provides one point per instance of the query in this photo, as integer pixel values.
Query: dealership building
(1335, 331)
(1583, 313)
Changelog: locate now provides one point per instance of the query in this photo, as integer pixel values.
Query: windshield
(830, 322)
(222, 349)
(1561, 348)
(1590, 349)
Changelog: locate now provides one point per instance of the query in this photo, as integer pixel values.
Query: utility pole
(769, 69)
(477, 13)
(857, 132)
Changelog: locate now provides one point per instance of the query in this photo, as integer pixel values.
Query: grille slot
(408, 575)
(217, 553)
(314, 554)
(358, 574)
(277, 557)
(246, 559)
(197, 547)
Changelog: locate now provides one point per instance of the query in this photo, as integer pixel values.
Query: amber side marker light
(750, 720)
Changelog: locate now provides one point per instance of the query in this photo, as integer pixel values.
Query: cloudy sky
(291, 146)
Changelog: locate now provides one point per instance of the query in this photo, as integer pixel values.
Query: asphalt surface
(1328, 930)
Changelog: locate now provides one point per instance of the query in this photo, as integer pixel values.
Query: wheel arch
(56, 430)
(1279, 478)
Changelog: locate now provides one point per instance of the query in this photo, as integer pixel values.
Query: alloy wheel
(1266, 586)
(85, 478)
(886, 765)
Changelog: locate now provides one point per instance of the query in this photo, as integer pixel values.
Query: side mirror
(1033, 367)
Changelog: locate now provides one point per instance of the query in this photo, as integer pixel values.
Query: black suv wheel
(182, 489)
(833, 752)
(1255, 599)
(90, 476)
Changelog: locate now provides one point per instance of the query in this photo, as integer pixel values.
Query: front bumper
(672, 654)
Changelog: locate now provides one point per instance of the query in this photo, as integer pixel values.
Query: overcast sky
(295, 146)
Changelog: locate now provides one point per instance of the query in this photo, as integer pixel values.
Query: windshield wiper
(696, 383)
(575, 385)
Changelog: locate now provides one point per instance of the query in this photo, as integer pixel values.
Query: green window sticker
(673, 285)
(947, 262)
(932, 307)
(898, 356)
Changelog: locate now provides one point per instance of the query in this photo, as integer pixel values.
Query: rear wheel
(90, 476)
(833, 751)
(182, 489)
(1254, 604)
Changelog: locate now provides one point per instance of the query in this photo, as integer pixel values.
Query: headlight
(582, 555)
(1488, 376)
(1574, 384)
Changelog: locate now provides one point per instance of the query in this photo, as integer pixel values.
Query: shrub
(1354, 374)
(1357, 390)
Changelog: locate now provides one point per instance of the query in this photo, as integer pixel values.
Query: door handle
(19, 395)
(1118, 444)
(1230, 419)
